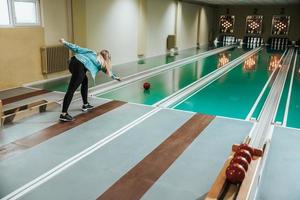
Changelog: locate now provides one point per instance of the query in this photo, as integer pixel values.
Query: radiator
(54, 59)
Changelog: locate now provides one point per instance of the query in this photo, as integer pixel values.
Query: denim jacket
(89, 59)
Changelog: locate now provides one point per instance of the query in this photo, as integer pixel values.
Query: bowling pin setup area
(214, 121)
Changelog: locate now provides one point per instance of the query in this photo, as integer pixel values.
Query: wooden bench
(21, 112)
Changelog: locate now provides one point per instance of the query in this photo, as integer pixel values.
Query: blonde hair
(107, 60)
(105, 54)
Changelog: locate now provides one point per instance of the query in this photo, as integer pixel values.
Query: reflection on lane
(169, 82)
(233, 94)
(250, 63)
(224, 58)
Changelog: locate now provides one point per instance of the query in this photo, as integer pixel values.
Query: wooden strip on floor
(54, 130)
(23, 96)
(6, 93)
(134, 184)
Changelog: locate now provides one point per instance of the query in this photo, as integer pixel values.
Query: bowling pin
(279, 41)
(272, 43)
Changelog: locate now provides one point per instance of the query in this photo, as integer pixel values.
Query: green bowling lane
(171, 81)
(233, 94)
(294, 108)
(125, 69)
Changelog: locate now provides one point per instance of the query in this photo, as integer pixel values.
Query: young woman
(83, 61)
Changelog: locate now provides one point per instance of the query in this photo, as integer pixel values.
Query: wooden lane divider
(223, 188)
(24, 111)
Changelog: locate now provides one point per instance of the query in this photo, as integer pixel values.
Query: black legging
(78, 72)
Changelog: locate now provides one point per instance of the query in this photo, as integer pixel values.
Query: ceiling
(246, 2)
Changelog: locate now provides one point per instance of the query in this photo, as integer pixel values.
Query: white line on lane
(287, 106)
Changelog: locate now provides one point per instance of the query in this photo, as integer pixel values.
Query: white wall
(161, 17)
(112, 25)
(55, 20)
(116, 25)
(189, 24)
(206, 25)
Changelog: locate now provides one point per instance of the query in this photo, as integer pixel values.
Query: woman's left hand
(62, 40)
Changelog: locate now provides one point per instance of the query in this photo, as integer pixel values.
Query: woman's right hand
(62, 40)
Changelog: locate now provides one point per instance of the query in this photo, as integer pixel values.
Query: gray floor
(22, 168)
(193, 172)
(30, 125)
(280, 179)
(94, 174)
(189, 177)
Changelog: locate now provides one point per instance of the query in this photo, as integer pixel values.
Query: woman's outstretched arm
(74, 48)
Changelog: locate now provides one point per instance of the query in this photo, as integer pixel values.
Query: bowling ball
(235, 173)
(240, 160)
(243, 153)
(146, 86)
(248, 148)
